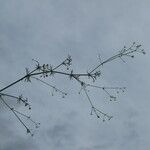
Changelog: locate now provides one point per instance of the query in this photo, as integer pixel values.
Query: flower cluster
(24, 101)
(67, 62)
(130, 51)
(94, 76)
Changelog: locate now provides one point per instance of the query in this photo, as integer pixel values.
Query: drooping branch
(17, 113)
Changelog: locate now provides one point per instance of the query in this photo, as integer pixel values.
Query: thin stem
(105, 87)
(28, 117)
(62, 73)
(13, 111)
(119, 55)
(13, 83)
(50, 85)
(90, 102)
(12, 96)
(20, 98)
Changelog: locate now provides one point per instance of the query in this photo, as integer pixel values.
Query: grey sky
(49, 30)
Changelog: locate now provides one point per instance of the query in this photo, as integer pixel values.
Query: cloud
(20, 144)
(48, 31)
(61, 136)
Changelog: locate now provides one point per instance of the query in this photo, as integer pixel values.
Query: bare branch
(40, 72)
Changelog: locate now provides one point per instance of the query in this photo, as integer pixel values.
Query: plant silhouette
(40, 72)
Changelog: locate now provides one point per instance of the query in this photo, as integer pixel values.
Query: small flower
(28, 130)
(133, 43)
(132, 56)
(27, 79)
(138, 46)
(110, 117)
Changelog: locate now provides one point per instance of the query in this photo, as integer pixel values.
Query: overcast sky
(49, 30)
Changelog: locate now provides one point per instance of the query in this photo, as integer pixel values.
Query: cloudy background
(49, 30)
